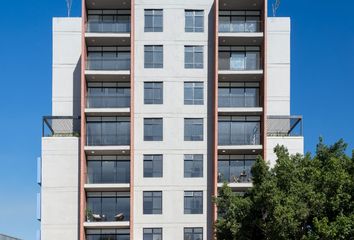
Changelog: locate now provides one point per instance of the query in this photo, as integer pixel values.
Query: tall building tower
(156, 103)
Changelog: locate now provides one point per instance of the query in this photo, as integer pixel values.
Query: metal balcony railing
(61, 126)
(283, 126)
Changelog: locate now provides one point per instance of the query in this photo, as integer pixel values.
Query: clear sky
(322, 89)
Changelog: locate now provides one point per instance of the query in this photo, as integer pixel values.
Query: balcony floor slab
(99, 225)
(107, 187)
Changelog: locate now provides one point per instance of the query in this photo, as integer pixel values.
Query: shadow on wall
(77, 89)
(210, 114)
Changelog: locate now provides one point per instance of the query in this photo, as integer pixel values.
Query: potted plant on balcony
(89, 215)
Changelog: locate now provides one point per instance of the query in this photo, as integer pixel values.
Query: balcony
(239, 58)
(105, 207)
(108, 131)
(107, 234)
(108, 58)
(61, 126)
(108, 21)
(239, 133)
(108, 95)
(108, 170)
(240, 62)
(235, 96)
(235, 168)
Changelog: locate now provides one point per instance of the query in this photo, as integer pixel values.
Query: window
(108, 169)
(239, 58)
(108, 94)
(193, 166)
(193, 233)
(194, 21)
(193, 93)
(152, 202)
(108, 206)
(153, 129)
(152, 234)
(153, 93)
(193, 202)
(153, 20)
(235, 168)
(153, 56)
(104, 234)
(152, 166)
(108, 58)
(239, 130)
(108, 20)
(238, 94)
(193, 129)
(193, 57)
(108, 131)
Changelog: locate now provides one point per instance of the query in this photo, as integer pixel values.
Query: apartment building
(155, 104)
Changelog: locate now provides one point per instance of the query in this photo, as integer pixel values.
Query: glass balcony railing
(108, 131)
(239, 131)
(235, 169)
(108, 207)
(231, 26)
(238, 97)
(109, 27)
(108, 58)
(113, 64)
(108, 171)
(108, 101)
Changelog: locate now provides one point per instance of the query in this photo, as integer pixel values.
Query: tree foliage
(302, 197)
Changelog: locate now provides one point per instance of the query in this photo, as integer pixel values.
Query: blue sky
(322, 89)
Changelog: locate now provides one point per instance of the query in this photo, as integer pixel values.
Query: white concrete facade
(278, 91)
(59, 189)
(66, 66)
(173, 111)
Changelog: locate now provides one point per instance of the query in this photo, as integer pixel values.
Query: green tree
(302, 197)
